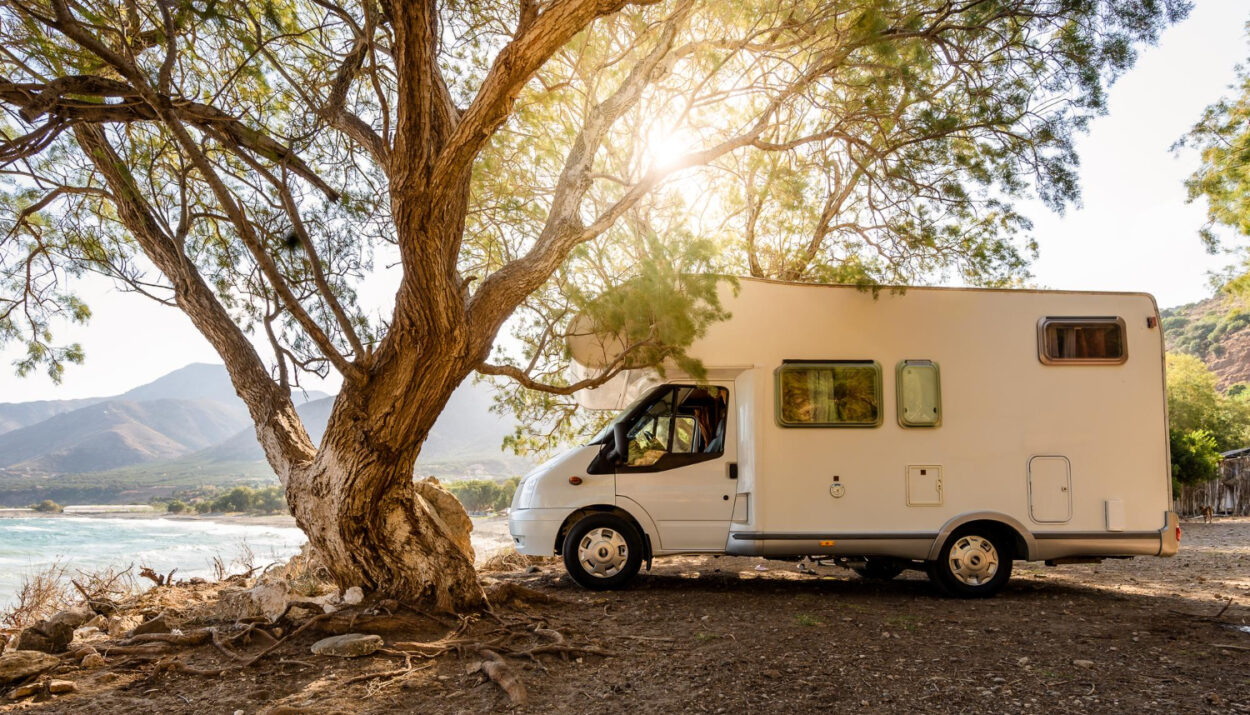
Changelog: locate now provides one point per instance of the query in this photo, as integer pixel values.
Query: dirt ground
(736, 635)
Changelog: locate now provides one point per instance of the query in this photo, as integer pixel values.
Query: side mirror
(620, 441)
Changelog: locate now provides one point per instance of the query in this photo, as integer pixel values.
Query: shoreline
(103, 512)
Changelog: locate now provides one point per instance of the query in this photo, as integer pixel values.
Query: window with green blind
(829, 394)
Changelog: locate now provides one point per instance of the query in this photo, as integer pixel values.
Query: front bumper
(534, 531)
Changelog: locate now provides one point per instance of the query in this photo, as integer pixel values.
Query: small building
(1228, 494)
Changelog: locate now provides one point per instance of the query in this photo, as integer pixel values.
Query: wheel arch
(582, 512)
(1022, 541)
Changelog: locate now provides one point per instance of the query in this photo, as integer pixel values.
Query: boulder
(159, 624)
(449, 513)
(268, 600)
(93, 659)
(348, 645)
(21, 664)
(55, 634)
(119, 626)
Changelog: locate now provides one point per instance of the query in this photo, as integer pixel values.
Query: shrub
(176, 506)
(47, 506)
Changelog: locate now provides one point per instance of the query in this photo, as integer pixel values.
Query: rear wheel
(602, 552)
(975, 562)
(879, 569)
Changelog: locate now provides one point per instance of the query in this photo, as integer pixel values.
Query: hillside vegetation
(1217, 331)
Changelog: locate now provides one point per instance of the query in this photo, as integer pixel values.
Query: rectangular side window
(1081, 341)
(919, 393)
(829, 394)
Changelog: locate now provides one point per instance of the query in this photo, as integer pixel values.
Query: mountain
(20, 414)
(197, 381)
(116, 433)
(1217, 330)
(465, 441)
(189, 429)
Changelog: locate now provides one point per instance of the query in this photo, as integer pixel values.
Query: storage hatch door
(1050, 489)
(924, 485)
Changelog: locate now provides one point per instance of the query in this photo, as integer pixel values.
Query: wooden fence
(1229, 494)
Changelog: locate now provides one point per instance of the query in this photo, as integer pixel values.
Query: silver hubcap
(973, 560)
(603, 552)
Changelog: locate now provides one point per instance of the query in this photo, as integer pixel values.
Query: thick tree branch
(277, 426)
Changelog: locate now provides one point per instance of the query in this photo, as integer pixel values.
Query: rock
(353, 596)
(99, 622)
(119, 626)
(160, 624)
(34, 639)
(88, 634)
(770, 673)
(53, 635)
(1023, 661)
(93, 660)
(267, 599)
(21, 664)
(448, 513)
(532, 569)
(1087, 664)
(56, 687)
(348, 645)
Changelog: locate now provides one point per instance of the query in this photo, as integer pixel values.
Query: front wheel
(602, 552)
(974, 563)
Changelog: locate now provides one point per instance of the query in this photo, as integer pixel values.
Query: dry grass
(43, 593)
(304, 573)
(508, 559)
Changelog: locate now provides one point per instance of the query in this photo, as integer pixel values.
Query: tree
(519, 163)
(1195, 458)
(47, 506)
(176, 506)
(1196, 404)
(1222, 137)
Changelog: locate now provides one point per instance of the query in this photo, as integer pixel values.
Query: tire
(975, 562)
(602, 552)
(879, 569)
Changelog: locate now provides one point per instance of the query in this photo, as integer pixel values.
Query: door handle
(732, 469)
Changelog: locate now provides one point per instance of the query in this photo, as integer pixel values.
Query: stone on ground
(21, 664)
(348, 645)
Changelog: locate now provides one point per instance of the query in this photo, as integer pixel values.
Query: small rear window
(1082, 341)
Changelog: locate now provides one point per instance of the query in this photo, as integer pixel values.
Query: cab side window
(683, 424)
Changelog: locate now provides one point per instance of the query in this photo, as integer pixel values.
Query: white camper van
(952, 430)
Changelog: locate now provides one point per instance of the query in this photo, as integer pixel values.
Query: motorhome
(945, 429)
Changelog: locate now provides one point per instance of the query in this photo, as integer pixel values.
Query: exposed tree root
(498, 670)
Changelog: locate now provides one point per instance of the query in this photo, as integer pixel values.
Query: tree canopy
(1222, 136)
(521, 163)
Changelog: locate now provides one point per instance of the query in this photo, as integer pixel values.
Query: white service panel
(924, 485)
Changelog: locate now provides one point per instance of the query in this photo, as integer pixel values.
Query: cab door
(678, 469)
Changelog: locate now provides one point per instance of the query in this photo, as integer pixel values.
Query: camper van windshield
(605, 434)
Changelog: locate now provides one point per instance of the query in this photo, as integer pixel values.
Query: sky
(1133, 230)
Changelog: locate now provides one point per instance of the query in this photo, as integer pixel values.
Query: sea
(31, 544)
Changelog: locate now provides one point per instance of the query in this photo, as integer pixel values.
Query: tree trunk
(377, 529)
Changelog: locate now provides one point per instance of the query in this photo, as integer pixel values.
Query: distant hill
(116, 433)
(189, 429)
(1217, 330)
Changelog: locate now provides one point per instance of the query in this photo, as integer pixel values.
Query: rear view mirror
(620, 441)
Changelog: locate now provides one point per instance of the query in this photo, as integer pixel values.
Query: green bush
(481, 495)
(1195, 458)
(47, 506)
(176, 506)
